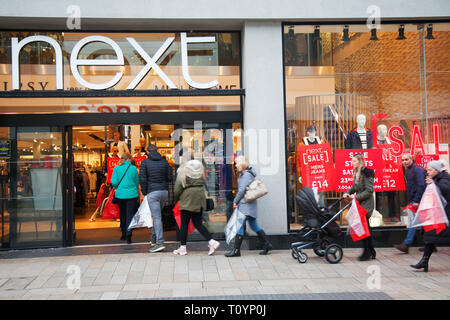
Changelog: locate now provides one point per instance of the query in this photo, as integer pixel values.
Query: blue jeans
(410, 236)
(252, 223)
(156, 201)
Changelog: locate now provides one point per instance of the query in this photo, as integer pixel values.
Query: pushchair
(320, 230)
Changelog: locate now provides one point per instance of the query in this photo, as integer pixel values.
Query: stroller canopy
(307, 202)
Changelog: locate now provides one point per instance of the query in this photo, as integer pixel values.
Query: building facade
(222, 79)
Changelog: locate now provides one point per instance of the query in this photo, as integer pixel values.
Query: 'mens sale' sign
(316, 162)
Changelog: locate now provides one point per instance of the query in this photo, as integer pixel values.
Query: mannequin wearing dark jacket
(442, 181)
(353, 140)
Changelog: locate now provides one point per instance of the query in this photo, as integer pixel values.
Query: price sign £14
(344, 167)
(317, 166)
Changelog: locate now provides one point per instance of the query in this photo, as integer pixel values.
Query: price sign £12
(317, 167)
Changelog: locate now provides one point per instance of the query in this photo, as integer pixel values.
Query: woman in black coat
(436, 174)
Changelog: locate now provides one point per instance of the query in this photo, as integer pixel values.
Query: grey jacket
(245, 178)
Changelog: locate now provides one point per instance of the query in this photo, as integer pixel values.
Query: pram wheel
(294, 254)
(334, 253)
(302, 257)
(320, 249)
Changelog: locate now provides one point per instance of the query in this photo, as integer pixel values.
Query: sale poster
(344, 166)
(112, 162)
(392, 173)
(422, 160)
(317, 167)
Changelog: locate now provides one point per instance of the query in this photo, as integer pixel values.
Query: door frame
(67, 121)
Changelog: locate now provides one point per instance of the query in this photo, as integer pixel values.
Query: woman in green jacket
(362, 190)
(190, 190)
(126, 181)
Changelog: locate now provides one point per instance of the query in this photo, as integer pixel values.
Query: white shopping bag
(233, 225)
(143, 217)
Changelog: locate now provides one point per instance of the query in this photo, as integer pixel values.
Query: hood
(252, 171)
(155, 156)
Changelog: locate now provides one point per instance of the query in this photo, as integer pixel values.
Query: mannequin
(382, 135)
(360, 137)
(121, 145)
(391, 195)
(311, 137)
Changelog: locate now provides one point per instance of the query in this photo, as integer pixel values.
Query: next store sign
(75, 62)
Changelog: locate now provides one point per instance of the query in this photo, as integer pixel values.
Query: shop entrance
(95, 148)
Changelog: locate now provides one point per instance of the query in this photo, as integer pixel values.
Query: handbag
(209, 201)
(255, 190)
(114, 199)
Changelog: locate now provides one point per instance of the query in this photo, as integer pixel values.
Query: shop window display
(379, 97)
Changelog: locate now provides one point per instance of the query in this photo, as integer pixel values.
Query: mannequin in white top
(382, 135)
(121, 145)
(312, 138)
(360, 137)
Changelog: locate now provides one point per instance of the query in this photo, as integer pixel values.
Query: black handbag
(209, 204)
(115, 200)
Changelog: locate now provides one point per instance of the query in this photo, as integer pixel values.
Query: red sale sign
(422, 160)
(344, 166)
(392, 173)
(316, 162)
(110, 164)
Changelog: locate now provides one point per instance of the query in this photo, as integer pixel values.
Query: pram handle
(335, 203)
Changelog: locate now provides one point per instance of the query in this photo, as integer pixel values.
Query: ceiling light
(430, 32)
(291, 35)
(317, 32)
(401, 32)
(345, 38)
(374, 34)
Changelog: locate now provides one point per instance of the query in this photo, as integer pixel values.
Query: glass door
(31, 186)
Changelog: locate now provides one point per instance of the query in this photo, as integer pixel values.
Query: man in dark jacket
(415, 186)
(154, 177)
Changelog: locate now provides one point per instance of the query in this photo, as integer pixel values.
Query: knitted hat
(436, 165)
(194, 169)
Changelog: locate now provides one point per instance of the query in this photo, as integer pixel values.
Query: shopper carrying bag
(125, 181)
(247, 176)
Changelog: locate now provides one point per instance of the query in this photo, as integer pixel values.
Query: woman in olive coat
(190, 190)
(363, 192)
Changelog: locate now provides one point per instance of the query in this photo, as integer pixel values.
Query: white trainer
(181, 251)
(213, 245)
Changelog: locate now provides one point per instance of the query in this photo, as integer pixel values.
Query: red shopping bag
(111, 210)
(357, 221)
(176, 214)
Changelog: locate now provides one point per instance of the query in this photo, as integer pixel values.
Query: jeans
(252, 223)
(197, 221)
(127, 208)
(156, 201)
(410, 236)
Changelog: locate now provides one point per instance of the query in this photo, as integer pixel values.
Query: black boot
(423, 263)
(367, 254)
(266, 244)
(236, 251)
(129, 239)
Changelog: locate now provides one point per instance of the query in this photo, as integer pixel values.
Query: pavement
(130, 272)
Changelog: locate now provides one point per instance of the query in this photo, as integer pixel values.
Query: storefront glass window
(391, 86)
(31, 186)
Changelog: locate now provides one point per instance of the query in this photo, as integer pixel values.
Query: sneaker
(157, 247)
(213, 245)
(181, 251)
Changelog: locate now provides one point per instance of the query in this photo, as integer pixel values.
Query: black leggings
(127, 208)
(196, 220)
(429, 247)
